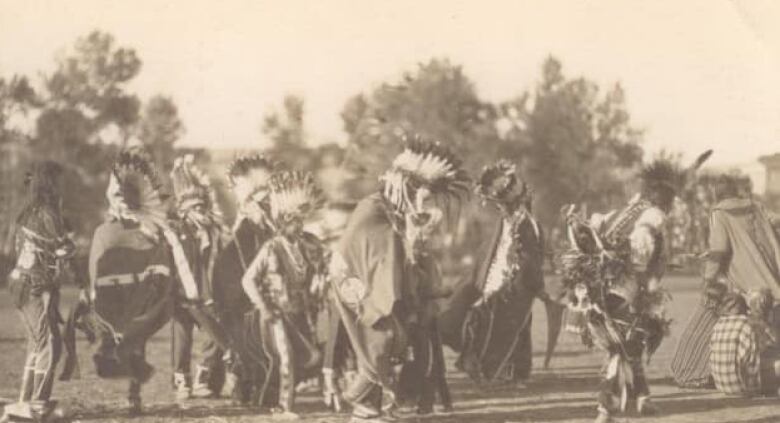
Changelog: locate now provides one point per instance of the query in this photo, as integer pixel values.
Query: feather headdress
(294, 194)
(498, 180)
(134, 194)
(195, 197)
(250, 174)
(134, 190)
(426, 164)
(661, 180)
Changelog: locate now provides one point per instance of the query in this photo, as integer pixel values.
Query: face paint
(422, 220)
(293, 227)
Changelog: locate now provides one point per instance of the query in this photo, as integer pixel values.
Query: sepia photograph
(342, 211)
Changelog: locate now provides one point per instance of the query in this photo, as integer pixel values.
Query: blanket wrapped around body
(488, 317)
(130, 300)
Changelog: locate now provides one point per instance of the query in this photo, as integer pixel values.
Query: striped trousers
(690, 364)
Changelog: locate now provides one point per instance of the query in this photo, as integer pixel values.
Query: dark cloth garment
(519, 366)
(231, 264)
(233, 306)
(492, 334)
(423, 378)
(690, 364)
(743, 247)
(493, 337)
(131, 281)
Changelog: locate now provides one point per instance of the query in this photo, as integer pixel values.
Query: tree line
(573, 140)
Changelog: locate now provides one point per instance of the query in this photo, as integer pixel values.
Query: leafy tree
(84, 100)
(159, 128)
(577, 145)
(17, 99)
(87, 93)
(287, 133)
(436, 101)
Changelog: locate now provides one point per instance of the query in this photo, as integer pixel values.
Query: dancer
(131, 262)
(42, 247)
(130, 272)
(248, 178)
(200, 228)
(372, 269)
(488, 319)
(278, 282)
(613, 274)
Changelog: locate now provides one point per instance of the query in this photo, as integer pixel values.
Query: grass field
(563, 393)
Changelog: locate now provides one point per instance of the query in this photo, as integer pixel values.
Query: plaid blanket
(734, 356)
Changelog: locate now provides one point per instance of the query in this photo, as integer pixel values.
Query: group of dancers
(362, 309)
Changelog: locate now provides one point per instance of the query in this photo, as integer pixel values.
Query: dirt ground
(562, 393)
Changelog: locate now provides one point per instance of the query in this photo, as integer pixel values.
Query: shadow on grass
(174, 412)
(586, 411)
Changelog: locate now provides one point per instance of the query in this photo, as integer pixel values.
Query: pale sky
(698, 74)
